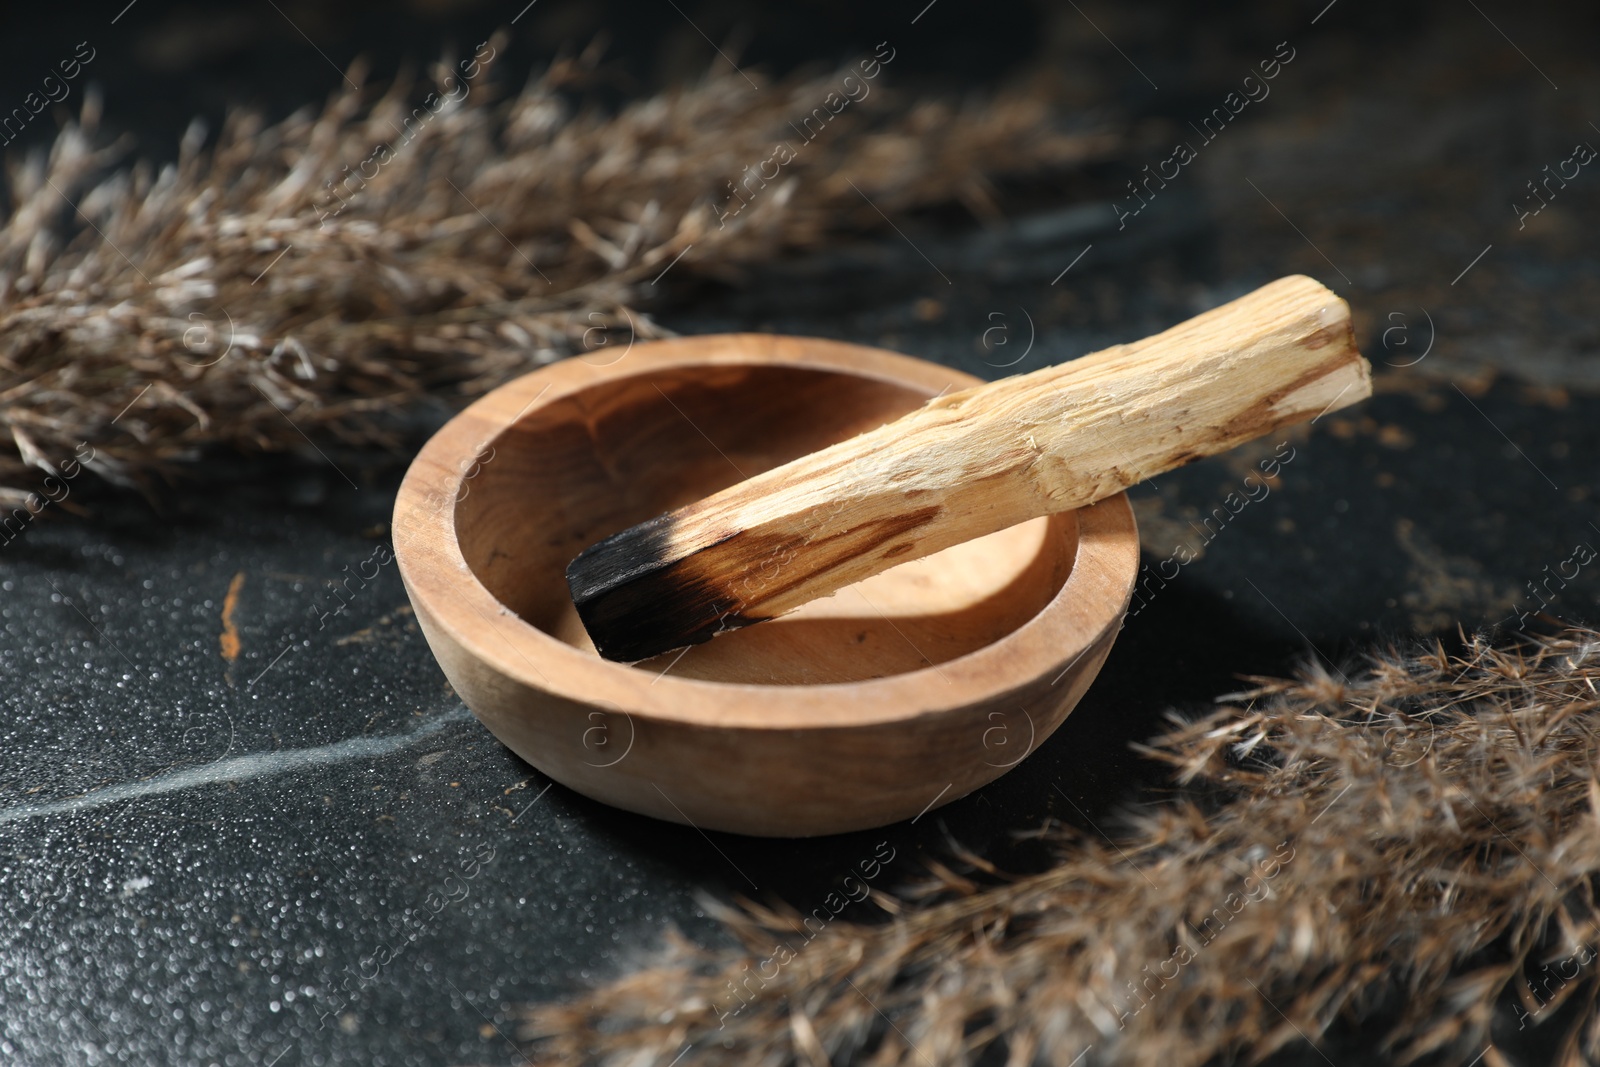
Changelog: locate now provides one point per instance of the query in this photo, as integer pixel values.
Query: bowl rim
(441, 584)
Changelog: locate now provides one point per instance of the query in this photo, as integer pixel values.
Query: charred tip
(636, 600)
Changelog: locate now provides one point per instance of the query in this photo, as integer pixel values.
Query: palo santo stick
(969, 464)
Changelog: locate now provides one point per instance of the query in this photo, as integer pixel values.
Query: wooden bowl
(898, 694)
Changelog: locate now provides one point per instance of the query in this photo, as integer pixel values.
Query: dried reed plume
(299, 278)
(1412, 845)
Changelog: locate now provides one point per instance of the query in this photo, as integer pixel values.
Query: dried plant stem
(333, 266)
(1425, 834)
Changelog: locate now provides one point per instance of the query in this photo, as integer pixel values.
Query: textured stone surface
(238, 861)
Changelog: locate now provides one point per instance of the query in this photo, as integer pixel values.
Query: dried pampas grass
(1409, 846)
(306, 280)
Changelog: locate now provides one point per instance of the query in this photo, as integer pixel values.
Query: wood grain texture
(855, 711)
(967, 464)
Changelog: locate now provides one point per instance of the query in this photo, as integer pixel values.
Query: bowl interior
(624, 449)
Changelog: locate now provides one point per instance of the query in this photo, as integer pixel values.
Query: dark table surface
(200, 857)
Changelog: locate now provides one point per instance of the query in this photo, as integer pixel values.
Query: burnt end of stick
(619, 558)
(655, 615)
(636, 603)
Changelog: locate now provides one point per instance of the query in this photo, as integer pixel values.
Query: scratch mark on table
(237, 769)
